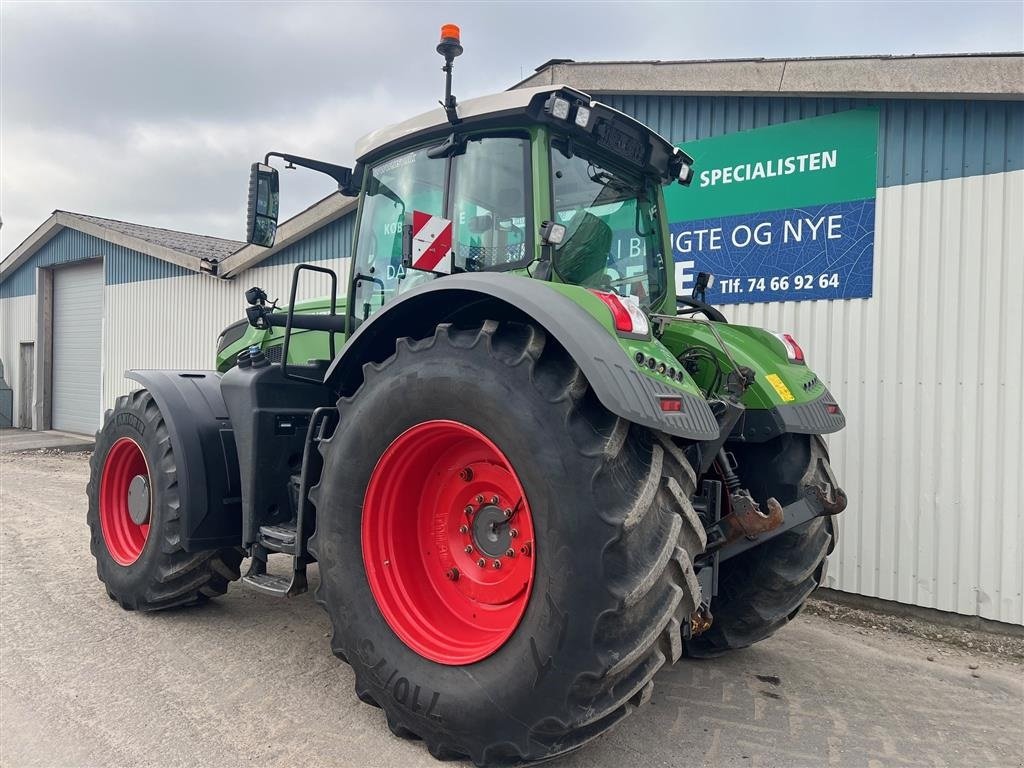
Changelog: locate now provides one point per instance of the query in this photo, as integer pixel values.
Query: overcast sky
(152, 112)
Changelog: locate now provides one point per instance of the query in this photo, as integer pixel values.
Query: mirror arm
(339, 173)
(453, 145)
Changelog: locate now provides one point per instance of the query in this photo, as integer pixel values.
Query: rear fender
(784, 396)
(204, 453)
(573, 316)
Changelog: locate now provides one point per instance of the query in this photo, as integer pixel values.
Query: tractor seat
(583, 257)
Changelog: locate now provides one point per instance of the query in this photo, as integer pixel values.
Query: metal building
(930, 369)
(926, 360)
(84, 299)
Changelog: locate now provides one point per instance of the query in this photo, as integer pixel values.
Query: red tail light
(626, 313)
(671, 404)
(793, 350)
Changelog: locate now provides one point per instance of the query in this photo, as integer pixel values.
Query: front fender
(573, 316)
(206, 462)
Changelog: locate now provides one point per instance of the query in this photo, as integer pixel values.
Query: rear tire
(143, 564)
(763, 589)
(614, 530)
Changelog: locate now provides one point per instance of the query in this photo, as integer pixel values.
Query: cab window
(394, 187)
(491, 205)
(613, 235)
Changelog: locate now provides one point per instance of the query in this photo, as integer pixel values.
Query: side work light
(552, 233)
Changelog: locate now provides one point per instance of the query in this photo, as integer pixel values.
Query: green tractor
(529, 473)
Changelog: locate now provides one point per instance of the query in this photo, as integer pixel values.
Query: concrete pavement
(249, 679)
(14, 440)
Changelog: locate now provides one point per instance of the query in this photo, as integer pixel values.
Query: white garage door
(77, 345)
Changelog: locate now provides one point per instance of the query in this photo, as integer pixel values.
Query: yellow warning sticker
(780, 387)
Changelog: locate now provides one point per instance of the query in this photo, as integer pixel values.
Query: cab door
(485, 189)
(490, 204)
(392, 188)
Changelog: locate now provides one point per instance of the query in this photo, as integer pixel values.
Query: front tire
(134, 516)
(610, 579)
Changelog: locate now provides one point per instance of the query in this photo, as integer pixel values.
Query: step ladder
(290, 538)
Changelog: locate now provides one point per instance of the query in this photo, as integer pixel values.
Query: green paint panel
(754, 348)
(304, 345)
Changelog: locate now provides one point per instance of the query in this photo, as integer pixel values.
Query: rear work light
(558, 107)
(626, 313)
(582, 116)
(793, 350)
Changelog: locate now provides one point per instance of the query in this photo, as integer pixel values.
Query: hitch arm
(746, 526)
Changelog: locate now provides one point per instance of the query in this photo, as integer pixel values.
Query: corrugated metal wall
(174, 323)
(930, 369)
(120, 264)
(331, 242)
(929, 372)
(195, 308)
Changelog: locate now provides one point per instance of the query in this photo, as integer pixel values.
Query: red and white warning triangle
(431, 243)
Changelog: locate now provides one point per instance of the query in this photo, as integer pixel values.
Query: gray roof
(977, 76)
(199, 253)
(291, 231)
(200, 246)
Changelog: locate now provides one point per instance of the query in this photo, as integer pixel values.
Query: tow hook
(701, 620)
(745, 521)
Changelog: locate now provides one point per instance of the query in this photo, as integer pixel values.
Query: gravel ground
(250, 679)
(1007, 646)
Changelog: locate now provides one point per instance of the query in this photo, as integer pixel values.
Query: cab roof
(516, 103)
(493, 105)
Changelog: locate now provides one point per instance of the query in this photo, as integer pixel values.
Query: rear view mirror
(261, 218)
(701, 283)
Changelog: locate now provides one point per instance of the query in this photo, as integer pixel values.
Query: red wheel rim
(442, 498)
(125, 539)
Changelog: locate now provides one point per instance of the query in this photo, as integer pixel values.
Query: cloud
(153, 112)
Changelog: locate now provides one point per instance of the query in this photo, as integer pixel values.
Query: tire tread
(648, 558)
(182, 578)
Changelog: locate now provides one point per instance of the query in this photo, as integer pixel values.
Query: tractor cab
(536, 199)
(543, 182)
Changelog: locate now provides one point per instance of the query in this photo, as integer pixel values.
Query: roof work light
(557, 107)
